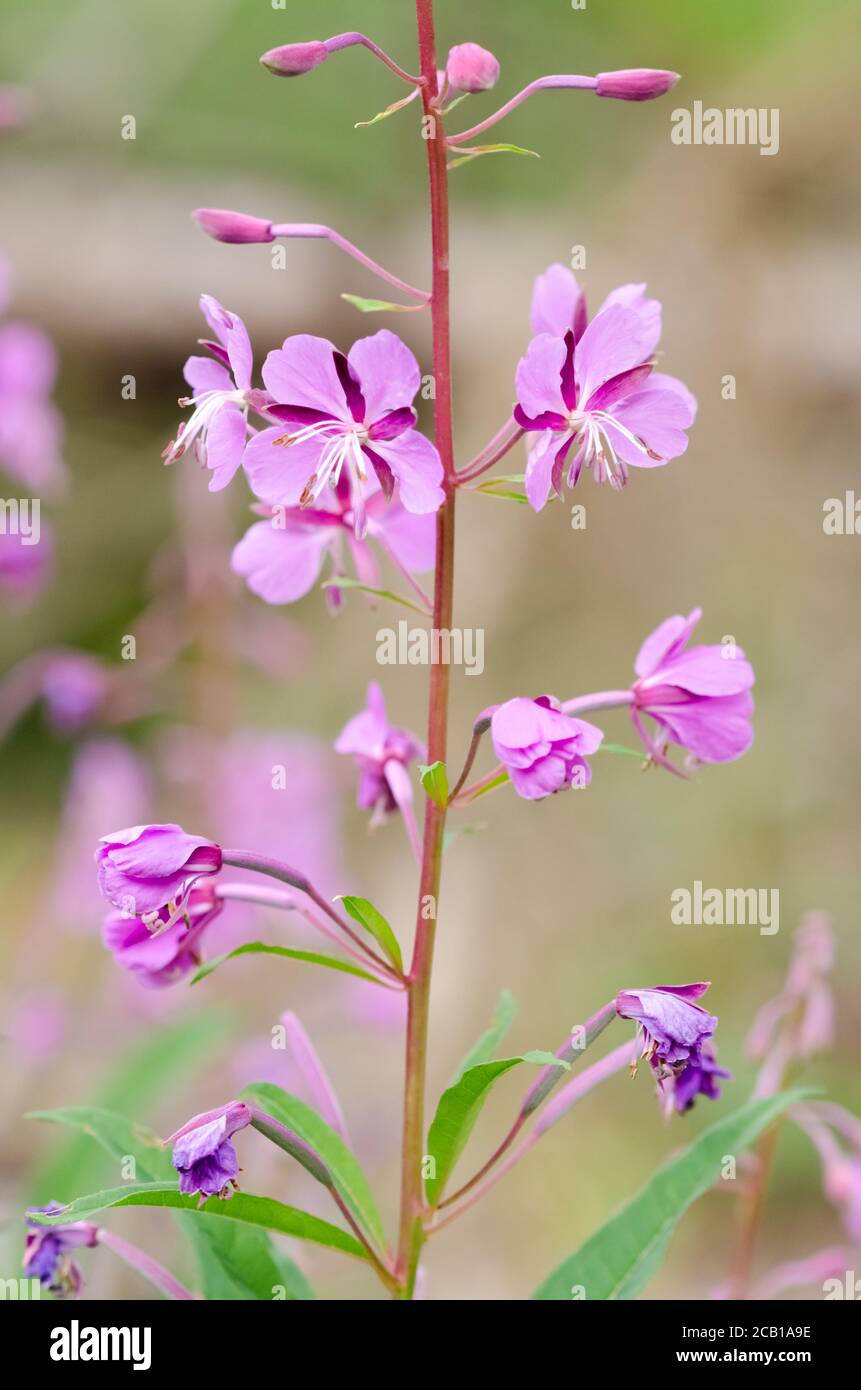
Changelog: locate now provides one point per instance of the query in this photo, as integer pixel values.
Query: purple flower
(222, 390)
(671, 1026)
(598, 392)
(25, 568)
(156, 953)
(281, 558)
(47, 1252)
(543, 750)
(30, 424)
(74, 687)
(699, 1078)
(382, 754)
(471, 68)
(350, 415)
(148, 867)
(699, 698)
(203, 1153)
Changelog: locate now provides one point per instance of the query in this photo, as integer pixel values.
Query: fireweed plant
(328, 440)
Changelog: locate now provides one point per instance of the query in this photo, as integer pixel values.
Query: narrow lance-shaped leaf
(374, 922)
(344, 582)
(618, 1261)
(482, 1051)
(260, 948)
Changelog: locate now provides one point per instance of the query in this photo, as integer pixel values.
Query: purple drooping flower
(281, 558)
(543, 749)
(157, 953)
(221, 384)
(699, 698)
(148, 867)
(203, 1151)
(700, 1077)
(30, 424)
(591, 397)
(382, 753)
(47, 1254)
(349, 415)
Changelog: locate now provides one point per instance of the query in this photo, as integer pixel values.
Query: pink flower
(25, 568)
(542, 749)
(559, 306)
(157, 954)
(599, 392)
(30, 424)
(74, 688)
(349, 413)
(149, 867)
(222, 390)
(382, 754)
(470, 68)
(281, 558)
(699, 698)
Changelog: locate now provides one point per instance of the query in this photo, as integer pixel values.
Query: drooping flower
(596, 402)
(674, 1032)
(700, 1077)
(30, 424)
(148, 867)
(350, 415)
(47, 1253)
(154, 952)
(281, 558)
(382, 753)
(471, 68)
(221, 383)
(699, 698)
(543, 750)
(203, 1152)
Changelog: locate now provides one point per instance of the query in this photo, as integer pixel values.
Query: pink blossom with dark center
(221, 383)
(595, 401)
(149, 867)
(156, 951)
(699, 698)
(542, 749)
(282, 557)
(349, 415)
(203, 1152)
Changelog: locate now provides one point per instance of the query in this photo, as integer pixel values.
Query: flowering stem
(412, 1234)
(286, 902)
(541, 84)
(350, 40)
(262, 864)
(319, 231)
(492, 452)
(144, 1264)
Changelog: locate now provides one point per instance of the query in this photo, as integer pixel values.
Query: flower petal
(418, 469)
(388, 373)
(280, 564)
(302, 372)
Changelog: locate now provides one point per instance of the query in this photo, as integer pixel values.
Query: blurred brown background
(756, 261)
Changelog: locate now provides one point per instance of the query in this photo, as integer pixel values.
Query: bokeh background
(756, 261)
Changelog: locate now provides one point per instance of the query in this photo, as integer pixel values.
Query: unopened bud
(234, 227)
(471, 68)
(635, 84)
(294, 59)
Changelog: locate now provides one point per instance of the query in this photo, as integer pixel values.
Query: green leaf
(491, 787)
(503, 1016)
(242, 1206)
(498, 487)
(378, 306)
(470, 152)
(389, 111)
(342, 1164)
(374, 922)
(341, 581)
(621, 749)
(619, 1260)
(259, 948)
(434, 779)
(235, 1261)
(458, 1110)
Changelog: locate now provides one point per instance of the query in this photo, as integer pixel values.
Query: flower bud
(471, 68)
(234, 227)
(635, 84)
(294, 59)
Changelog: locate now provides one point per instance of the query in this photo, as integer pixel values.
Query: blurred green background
(754, 259)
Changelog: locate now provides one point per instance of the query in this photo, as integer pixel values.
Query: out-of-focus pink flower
(699, 698)
(799, 1021)
(281, 558)
(218, 427)
(36, 1024)
(382, 754)
(30, 424)
(148, 867)
(471, 68)
(15, 107)
(157, 954)
(74, 687)
(348, 415)
(599, 392)
(25, 568)
(543, 750)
